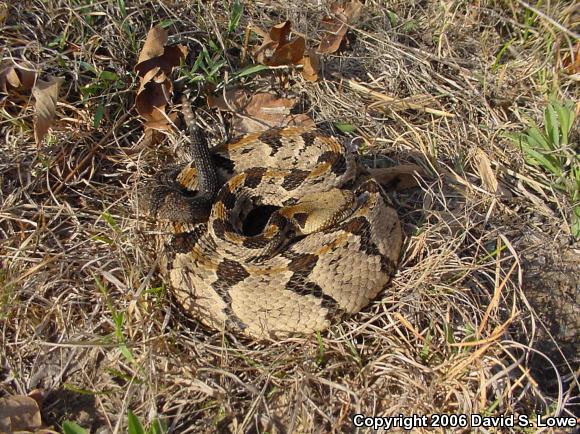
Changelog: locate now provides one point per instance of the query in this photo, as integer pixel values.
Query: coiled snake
(328, 248)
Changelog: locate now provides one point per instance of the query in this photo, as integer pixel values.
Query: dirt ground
(482, 317)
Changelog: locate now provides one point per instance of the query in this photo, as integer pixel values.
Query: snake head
(164, 198)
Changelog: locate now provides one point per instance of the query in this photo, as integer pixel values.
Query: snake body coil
(329, 244)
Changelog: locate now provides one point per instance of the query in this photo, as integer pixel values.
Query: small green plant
(6, 294)
(408, 26)
(425, 353)
(236, 16)
(69, 427)
(212, 61)
(118, 320)
(110, 221)
(499, 55)
(134, 426)
(103, 81)
(552, 150)
(208, 65)
(393, 18)
(345, 127)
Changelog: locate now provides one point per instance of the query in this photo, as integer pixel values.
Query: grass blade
(537, 139)
(551, 126)
(566, 118)
(252, 69)
(69, 427)
(236, 16)
(134, 425)
(544, 160)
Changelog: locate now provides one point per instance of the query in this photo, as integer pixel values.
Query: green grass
(551, 150)
(118, 320)
(69, 427)
(210, 66)
(134, 426)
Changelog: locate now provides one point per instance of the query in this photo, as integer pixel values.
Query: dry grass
(475, 319)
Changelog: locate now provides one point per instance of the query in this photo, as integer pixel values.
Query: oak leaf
(335, 27)
(46, 95)
(279, 49)
(155, 64)
(310, 65)
(233, 100)
(155, 54)
(14, 77)
(259, 112)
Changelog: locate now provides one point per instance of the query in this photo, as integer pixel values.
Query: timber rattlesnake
(329, 247)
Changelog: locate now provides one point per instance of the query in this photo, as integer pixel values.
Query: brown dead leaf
(399, 177)
(333, 35)
(263, 111)
(345, 14)
(299, 120)
(287, 54)
(153, 96)
(155, 54)
(488, 178)
(3, 12)
(46, 95)
(259, 112)
(278, 49)
(155, 64)
(232, 100)
(150, 138)
(16, 78)
(310, 66)
(253, 124)
(151, 102)
(280, 33)
(19, 413)
(572, 66)
(154, 45)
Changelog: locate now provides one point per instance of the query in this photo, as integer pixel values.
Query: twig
(33, 270)
(495, 299)
(550, 20)
(401, 104)
(246, 42)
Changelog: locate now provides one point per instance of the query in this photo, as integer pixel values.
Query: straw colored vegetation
(483, 314)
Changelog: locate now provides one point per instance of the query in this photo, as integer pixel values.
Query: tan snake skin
(328, 249)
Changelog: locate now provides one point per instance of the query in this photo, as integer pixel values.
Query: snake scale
(328, 241)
